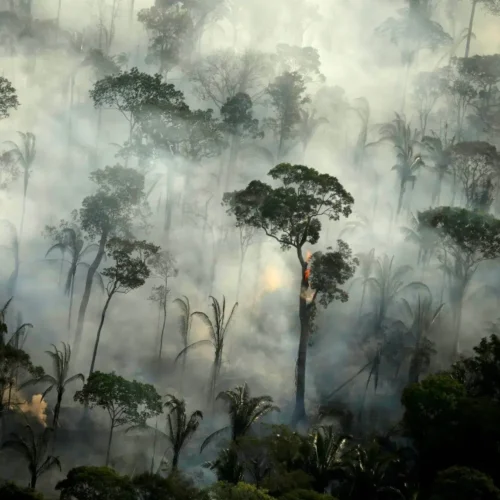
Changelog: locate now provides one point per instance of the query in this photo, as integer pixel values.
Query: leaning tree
(468, 238)
(291, 215)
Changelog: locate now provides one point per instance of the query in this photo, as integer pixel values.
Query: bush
(240, 491)
(463, 483)
(305, 495)
(10, 491)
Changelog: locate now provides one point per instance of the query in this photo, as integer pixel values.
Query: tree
(462, 483)
(59, 380)
(135, 94)
(404, 140)
(303, 60)
(164, 267)
(175, 486)
(424, 239)
(127, 402)
(25, 156)
(240, 491)
(180, 427)
(167, 27)
(366, 264)
(429, 87)
(34, 449)
(491, 5)
(129, 272)
(217, 331)
(476, 165)
(468, 238)
(8, 98)
(185, 320)
(287, 97)
(95, 483)
(108, 212)
(69, 239)
(243, 410)
(291, 214)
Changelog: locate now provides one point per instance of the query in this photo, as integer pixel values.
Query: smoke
(36, 408)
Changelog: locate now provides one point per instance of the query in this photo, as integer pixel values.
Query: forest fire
(307, 272)
(36, 407)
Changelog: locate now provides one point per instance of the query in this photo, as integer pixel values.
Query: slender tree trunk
(362, 300)
(88, 289)
(59, 14)
(469, 32)
(240, 275)
(154, 448)
(57, 410)
(61, 267)
(400, 199)
(169, 201)
(110, 439)
(163, 328)
(25, 192)
(70, 114)
(98, 337)
(232, 166)
(98, 134)
(405, 87)
(34, 479)
(175, 460)
(71, 294)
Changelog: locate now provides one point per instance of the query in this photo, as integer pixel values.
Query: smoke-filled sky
(263, 339)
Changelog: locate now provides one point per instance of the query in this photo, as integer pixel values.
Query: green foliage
(8, 98)
(240, 491)
(95, 483)
(469, 235)
(237, 116)
(305, 495)
(480, 373)
(10, 491)
(111, 209)
(463, 483)
(127, 402)
(175, 487)
(227, 465)
(130, 270)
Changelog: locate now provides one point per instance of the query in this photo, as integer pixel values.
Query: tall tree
(185, 320)
(217, 330)
(291, 215)
(8, 98)
(34, 450)
(108, 212)
(130, 271)
(164, 267)
(59, 380)
(287, 98)
(492, 6)
(126, 402)
(180, 427)
(69, 239)
(24, 154)
(244, 410)
(468, 238)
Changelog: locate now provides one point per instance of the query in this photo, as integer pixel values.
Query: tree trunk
(175, 460)
(169, 202)
(299, 413)
(231, 166)
(98, 134)
(163, 328)
(469, 31)
(400, 199)
(61, 267)
(96, 345)
(88, 288)
(154, 448)
(25, 192)
(110, 439)
(33, 479)
(362, 300)
(59, 14)
(71, 293)
(240, 275)
(57, 410)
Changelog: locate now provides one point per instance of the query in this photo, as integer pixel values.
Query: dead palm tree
(180, 427)
(72, 241)
(59, 380)
(217, 330)
(25, 156)
(185, 321)
(243, 411)
(34, 449)
(366, 263)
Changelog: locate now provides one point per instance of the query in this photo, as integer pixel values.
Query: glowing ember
(307, 273)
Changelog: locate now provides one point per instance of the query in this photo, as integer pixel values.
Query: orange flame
(36, 407)
(308, 256)
(307, 272)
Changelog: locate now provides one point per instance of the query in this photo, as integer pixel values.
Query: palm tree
(14, 248)
(439, 155)
(366, 473)
(71, 240)
(243, 410)
(423, 317)
(180, 428)
(308, 125)
(363, 112)
(328, 450)
(217, 330)
(185, 321)
(25, 155)
(426, 241)
(34, 450)
(404, 140)
(387, 285)
(59, 380)
(227, 466)
(366, 263)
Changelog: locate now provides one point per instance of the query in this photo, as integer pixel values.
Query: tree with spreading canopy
(8, 98)
(106, 213)
(291, 215)
(468, 238)
(127, 402)
(130, 271)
